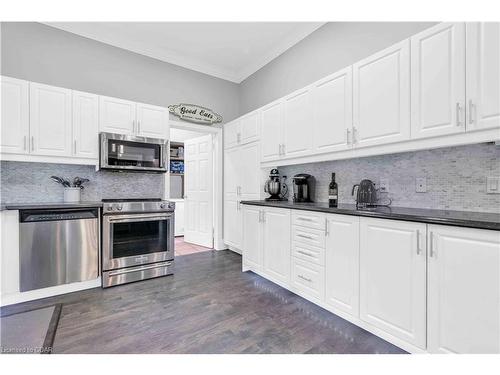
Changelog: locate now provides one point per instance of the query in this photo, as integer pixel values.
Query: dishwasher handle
(57, 214)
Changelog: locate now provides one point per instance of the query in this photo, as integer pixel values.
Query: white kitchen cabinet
(308, 279)
(231, 134)
(483, 75)
(393, 278)
(272, 132)
(248, 171)
(117, 115)
(297, 139)
(179, 217)
(332, 112)
(152, 121)
(252, 238)
(276, 245)
(438, 80)
(463, 290)
(50, 120)
(15, 116)
(342, 263)
(85, 125)
(250, 127)
(381, 97)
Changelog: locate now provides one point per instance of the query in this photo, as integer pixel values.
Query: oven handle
(138, 269)
(135, 218)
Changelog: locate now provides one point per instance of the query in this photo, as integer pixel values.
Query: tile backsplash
(30, 182)
(456, 177)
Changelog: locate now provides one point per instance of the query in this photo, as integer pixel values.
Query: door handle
(304, 236)
(431, 245)
(458, 109)
(471, 108)
(304, 253)
(348, 133)
(304, 278)
(32, 143)
(327, 229)
(74, 145)
(24, 143)
(418, 242)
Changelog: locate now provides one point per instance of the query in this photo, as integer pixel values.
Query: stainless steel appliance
(126, 153)
(137, 240)
(275, 186)
(58, 246)
(365, 193)
(303, 188)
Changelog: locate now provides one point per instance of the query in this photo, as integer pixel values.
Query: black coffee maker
(303, 188)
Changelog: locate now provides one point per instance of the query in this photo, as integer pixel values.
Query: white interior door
(198, 177)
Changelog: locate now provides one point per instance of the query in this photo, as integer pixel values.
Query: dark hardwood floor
(208, 306)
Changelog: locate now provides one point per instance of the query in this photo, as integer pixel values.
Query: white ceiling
(227, 50)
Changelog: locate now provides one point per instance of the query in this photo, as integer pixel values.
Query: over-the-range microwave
(128, 153)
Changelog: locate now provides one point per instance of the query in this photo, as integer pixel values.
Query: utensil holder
(72, 194)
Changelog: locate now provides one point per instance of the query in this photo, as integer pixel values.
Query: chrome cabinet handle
(327, 229)
(138, 126)
(304, 218)
(431, 245)
(418, 242)
(458, 110)
(471, 108)
(32, 143)
(354, 135)
(284, 150)
(348, 133)
(304, 253)
(74, 144)
(24, 143)
(133, 126)
(304, 278)
(263, 216)
(304, 236)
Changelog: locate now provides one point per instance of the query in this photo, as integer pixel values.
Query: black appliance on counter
(303, 188)
(365, 193)
(275, 187)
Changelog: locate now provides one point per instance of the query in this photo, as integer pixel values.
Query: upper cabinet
(85, 125)
(15, 116)
(297, 139)
(272, 131)
(231, 134)
(116, 116)
(438, 80)
(381, 97)
(152, 121)
(244, 130)
(331, 107)
(483, 75)
(50, 120)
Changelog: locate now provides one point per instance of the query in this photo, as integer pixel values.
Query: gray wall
(456, 177)
(36, 52)
(30, 182)
(332, 47)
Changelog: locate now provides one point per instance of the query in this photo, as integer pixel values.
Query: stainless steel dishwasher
(58, 246)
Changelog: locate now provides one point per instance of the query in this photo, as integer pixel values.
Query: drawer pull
(304, 278)
(304, 236)
(304, 253)
(304, 218)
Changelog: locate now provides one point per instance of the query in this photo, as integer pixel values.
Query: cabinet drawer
(308, 236)
(308, 253)
(308, 279)
(309, 219)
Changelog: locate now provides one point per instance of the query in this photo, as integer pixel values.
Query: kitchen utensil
(303, 187)
(366, 194)
(275, 187)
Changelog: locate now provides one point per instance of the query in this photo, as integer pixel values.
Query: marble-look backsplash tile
(30, 182)
(456, 177)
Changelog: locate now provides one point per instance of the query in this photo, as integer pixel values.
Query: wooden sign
(195, 113)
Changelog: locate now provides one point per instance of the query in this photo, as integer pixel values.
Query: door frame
(217, 147)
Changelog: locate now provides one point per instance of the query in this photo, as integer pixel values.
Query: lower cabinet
(308, 279)
(463, 290)
(252, 238)
(342, 263)
(392, 278)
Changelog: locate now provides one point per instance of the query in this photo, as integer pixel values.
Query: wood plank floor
(207, 306)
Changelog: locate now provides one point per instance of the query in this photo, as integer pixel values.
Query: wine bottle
(333, 193)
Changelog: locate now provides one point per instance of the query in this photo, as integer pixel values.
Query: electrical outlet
(421, 185)
(384, 185)
(492, 185)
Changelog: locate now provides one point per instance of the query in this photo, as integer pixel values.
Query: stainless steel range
(137, 240)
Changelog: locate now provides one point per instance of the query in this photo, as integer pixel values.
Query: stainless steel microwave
(127, 153)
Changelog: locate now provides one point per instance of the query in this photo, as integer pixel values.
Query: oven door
(135, 239)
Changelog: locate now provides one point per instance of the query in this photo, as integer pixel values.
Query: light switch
(421, 185)
(492, 185)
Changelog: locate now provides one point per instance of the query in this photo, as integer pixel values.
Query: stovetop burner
(109, 200)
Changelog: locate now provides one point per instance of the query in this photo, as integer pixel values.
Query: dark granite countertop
(48, 205)
(468, 219)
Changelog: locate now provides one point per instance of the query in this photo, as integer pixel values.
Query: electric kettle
(366, 194)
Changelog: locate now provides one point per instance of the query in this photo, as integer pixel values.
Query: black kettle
(366, 194)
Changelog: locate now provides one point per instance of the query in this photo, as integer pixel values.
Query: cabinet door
(381, 97)
(232, 222)
(15, 116)
(232, 165)
(50, 120)
(116, 115)
(231, 134)
(332, 112)
(342, 263)
(276, 248)
(152, 121)
(393, 278)
(271, 132)
(249, 171)
(250, 127)
(179, 218)
(297, 138)
(438, 80)
(85, 125)
(463, 290)
(232, 215)
(483, 75)
(252, 237)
